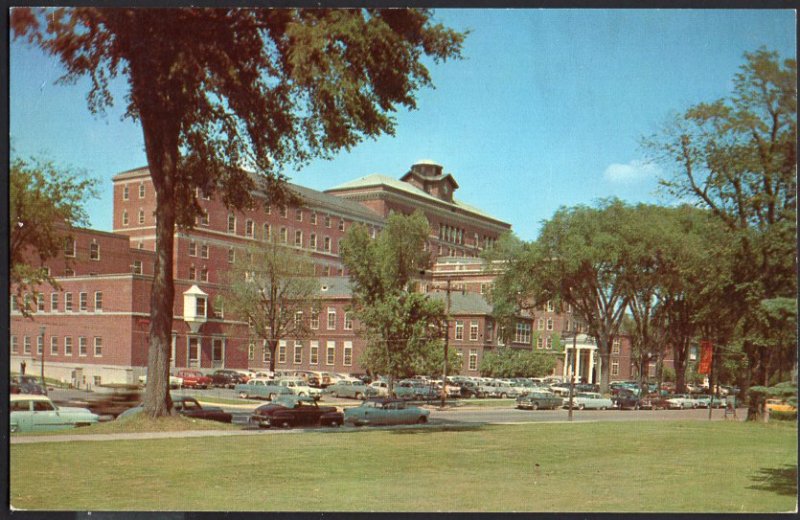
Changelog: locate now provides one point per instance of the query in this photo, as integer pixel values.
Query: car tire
(335, 424)
(333, 394)
(243, 395)
(359, 395)
(680, 406)
(422, 420)
(581, 406)
(272, 396)
(604, 408)
(503, 395)
(535, 406)
(302, 394)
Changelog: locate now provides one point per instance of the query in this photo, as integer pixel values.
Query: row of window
(126, 218)
(330, 323)
(70, 249)
(55, 342)
(126, 193)
(298, 351)
(249, 225)
(69, 304)
(473, 330)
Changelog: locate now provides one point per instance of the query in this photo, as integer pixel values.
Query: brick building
(94, 328)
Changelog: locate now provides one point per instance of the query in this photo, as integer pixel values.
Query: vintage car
(261, 388)
(174, 381)
(194, 379)
(354, 388)
(37, 413)
(381, 388)
(382, 411)
(189, 407)
(227, 378)
(289, 410)
(299, 386)
(535, 400)
(415, 389)
(110, 399)
(629, 400)
(681, 401)
(592, 401)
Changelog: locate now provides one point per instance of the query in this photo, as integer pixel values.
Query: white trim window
(98, 301)
(204, 251)
(137, 267)
(26, 345)
(39, 344)
(341, 224)
(473, 330)
(327, 221)
(331, 324)
(347, 354)
(282, 352)
(251, 350)
(313, 218)
(298, 352)
(314, 322)
(67, 345)
(330, 353)
(125, 219)
(40, 302)
(549, 323)
(249, 228)
(313, 358)
(266, 232)
(141, 190)
(298, 238)
(614, 367)
(473, 359)
(459, 332)
(522, 332)
(82, 346)
(83, 301)
(14, 345)
(298, 214)
(348, 321)
(284, 235)
(192, 248)
(126, 192)
(615, 345)
(231, 224)
(267, 354)
(312, 241)
(69, 247)
(141, 216)
(98, 346)
(326, 244)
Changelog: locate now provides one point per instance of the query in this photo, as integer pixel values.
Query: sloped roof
(464, 303)
(377, 180)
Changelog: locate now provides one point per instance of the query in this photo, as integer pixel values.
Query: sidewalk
(35, 439)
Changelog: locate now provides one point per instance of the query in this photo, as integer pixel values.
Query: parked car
(298, 386)
(188, 407)
(227, 378)
(592, 400)
(383, 411)
(37, 413)
(381, 388)
(194, 379)
(631, 401)
(681, 401)
(288, 410)
(24, 387)
(354, 388)
(535, 400)
(261, 388)
(469, 389)
(175, 382)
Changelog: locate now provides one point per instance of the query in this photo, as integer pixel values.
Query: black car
(189, 407)
(288, 410)
(628, 400)
(227, 378)
(468, 389)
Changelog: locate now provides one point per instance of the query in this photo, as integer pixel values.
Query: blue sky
(546, 109)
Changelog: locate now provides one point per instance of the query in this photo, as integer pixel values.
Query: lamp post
(41, 335)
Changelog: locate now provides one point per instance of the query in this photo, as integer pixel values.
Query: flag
(705, 357)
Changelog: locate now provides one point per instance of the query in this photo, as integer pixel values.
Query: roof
(334, 286)
(378, 180)
(464, 303)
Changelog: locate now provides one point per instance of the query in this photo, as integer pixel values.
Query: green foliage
(779, 415)
(403, 329)
(668, 373)
(509, 362)
(45, 203)
(268, 285)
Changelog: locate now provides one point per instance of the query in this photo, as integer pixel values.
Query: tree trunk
(605, 369)
(162, 155)
(273, 347)
(679, 360)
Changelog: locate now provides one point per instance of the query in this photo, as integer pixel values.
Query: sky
(546, 109)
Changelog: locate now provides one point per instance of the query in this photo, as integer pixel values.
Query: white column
(591, 365)
(577, 365)
(566, 363)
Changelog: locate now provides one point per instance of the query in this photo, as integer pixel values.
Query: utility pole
(41, 335)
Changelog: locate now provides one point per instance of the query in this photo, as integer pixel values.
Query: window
(67, 345)
(348, 321)
(141, 190)
(14, 304)
(141, 216)
(231, 255)
(327, 221)
(540, 324)
(125, 217)
(298, 215)
(327, 244)
(204, 218)
(473, 359)
(314, 324)
(82, 350)
(549, 323)
(473, 330)
(249, 228)
(251, 350)
(98, 346)
(347, 355)
(298, 319)
(459, 329)
(40, 302)
(137, 267)
(200, 307)
(267, 354)
(54, 302)
(204, 274)
(192, 248)
(83, 301)
(231, 223)
(284, 212)
(548, 343)
(39, 344)
(69, 247)
(550, 306)
(282, 352)
(204, 251)
(314, 352)
(615, 346)
(312, 241)
(341, 224)
(98, 301)
(540, 342)
(192, 273)
(14, 345)
(298, 352)
(266, 232)
(126, 192)
(298, 238)
(313, 218)
(26, 345)
(330, 355)
(284, 235)
(331, 318)
(614, 367)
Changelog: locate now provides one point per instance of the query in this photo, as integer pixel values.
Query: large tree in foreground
(45, 203)
(401, 327)
(217, 88)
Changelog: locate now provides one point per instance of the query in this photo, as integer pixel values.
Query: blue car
(381, 411)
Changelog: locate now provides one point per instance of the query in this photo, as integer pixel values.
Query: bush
(777, 415)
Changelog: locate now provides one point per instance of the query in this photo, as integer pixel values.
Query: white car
(381, 387)
(174, 381)
(298, 386)
(591, 401)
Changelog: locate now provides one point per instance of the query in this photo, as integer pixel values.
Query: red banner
(705, 357)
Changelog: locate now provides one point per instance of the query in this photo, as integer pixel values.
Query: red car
(194, 379)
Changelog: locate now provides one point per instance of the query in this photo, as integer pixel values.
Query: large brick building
(94, 328)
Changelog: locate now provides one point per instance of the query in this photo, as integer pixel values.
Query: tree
(215, 89)
(273, 289)
(737, 157)
(401, 327)
(511, 362)
(46, 202)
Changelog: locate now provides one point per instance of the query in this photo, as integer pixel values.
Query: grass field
(648, 466)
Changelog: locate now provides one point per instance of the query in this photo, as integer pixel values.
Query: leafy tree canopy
(509, 362)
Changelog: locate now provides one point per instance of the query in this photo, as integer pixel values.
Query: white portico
(585, 347)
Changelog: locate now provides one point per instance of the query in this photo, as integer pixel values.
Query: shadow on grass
(435, 428)
(782, 481)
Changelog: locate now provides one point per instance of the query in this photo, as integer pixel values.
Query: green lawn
(648, 466)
